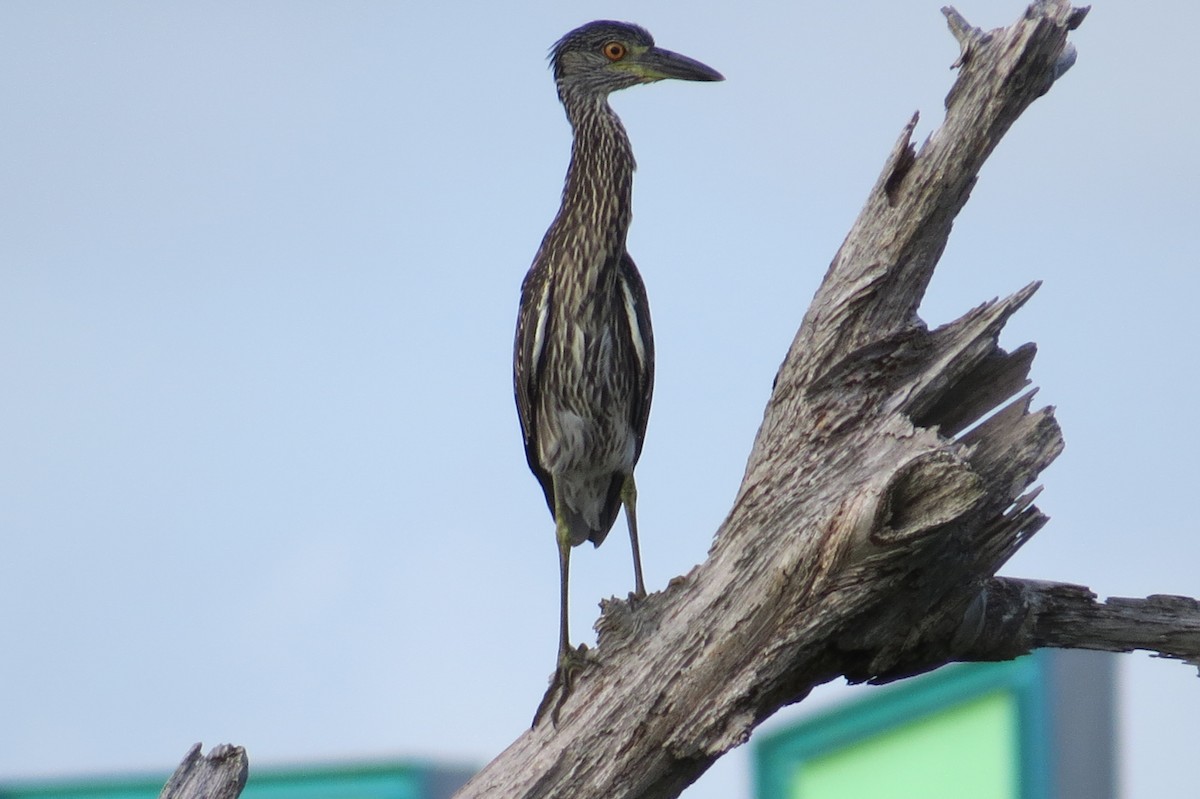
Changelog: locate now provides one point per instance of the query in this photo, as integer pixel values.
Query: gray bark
(221, 774)
(1019, 615)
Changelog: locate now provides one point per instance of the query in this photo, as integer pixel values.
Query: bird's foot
(570, 663)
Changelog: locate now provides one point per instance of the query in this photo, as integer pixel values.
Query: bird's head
(604, 56)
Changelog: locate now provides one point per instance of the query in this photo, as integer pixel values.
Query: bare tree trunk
(876, 506)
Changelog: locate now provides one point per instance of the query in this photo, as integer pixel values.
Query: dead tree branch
(1020, 615)
(221, 774)
(876, 506)
(889, 481)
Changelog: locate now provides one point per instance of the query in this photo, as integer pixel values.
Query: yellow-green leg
(569, 659)
(563, 535)
(629, 499)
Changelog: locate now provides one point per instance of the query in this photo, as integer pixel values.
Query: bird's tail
(604, 510)
(579, 530)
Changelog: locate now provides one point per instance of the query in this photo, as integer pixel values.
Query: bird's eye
(614, 51)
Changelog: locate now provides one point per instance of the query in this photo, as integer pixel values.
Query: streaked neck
(598, 191)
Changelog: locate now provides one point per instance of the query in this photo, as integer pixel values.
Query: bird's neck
(597, 195)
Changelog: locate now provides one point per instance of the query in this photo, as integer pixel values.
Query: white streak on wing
(639, 346)
(539, 328)
(577, 342)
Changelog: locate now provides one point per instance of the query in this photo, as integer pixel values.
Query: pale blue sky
(261, 479)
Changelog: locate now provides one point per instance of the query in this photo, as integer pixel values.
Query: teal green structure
(397, 780)
(1039, 727)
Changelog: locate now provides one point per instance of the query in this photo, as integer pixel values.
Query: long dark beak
(659, 64)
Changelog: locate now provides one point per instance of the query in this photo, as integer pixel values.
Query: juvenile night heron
(583, 365)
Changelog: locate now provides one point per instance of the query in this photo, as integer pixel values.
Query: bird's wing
(637, 312)
(530, 343)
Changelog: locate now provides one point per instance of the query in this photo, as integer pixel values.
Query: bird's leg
(629, 499)
(562, 533)
(570, 660)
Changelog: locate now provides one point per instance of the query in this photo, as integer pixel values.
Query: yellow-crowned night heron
(583, 365)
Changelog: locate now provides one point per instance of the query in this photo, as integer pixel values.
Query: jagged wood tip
(221, 774)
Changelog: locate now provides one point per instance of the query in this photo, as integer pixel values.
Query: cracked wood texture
(889, 481)
(221, 774)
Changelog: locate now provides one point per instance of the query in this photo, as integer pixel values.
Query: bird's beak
(658, 64)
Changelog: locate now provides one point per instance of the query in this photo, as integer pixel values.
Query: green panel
(1001, 700)
(342, 782)
(147, 788)
(353, 784)
(967, 750)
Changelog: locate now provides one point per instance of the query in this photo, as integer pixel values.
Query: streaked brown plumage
(583, 362)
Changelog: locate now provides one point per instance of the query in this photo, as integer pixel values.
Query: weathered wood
(221, 774)
(1020, 615)
(861, 535)
(883, 491)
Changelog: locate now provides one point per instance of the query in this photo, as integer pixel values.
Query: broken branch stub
(221, 774)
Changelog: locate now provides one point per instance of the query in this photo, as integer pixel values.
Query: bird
(583, 359)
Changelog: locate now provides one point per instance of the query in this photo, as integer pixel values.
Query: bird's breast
(586, 398)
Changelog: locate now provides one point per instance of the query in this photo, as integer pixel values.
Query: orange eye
(614, 51)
